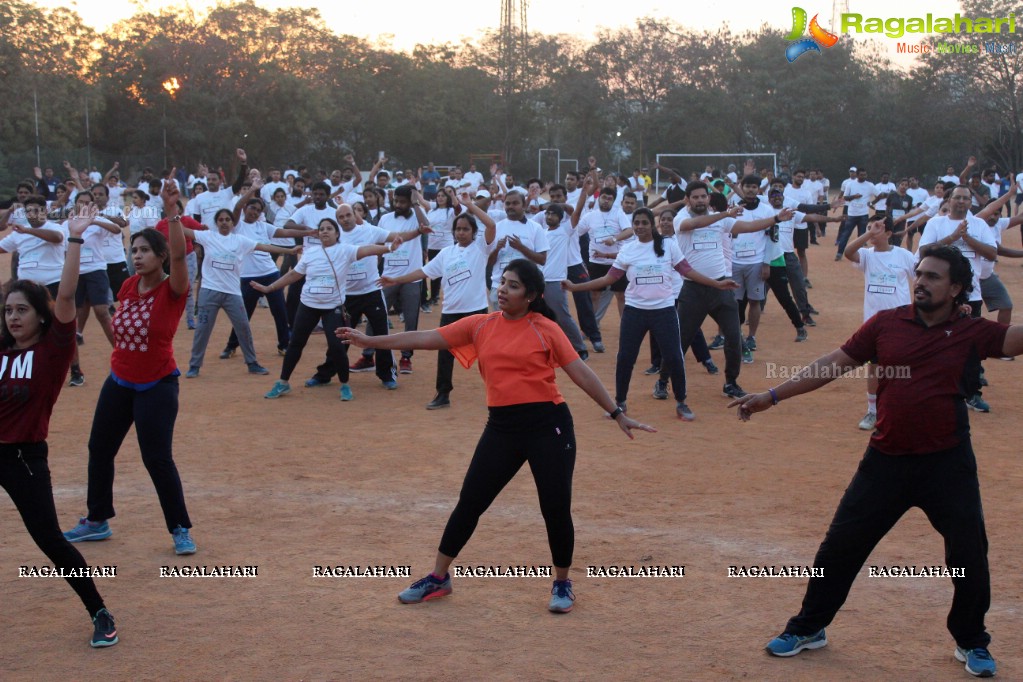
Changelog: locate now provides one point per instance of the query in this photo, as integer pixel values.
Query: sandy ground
(308, 481)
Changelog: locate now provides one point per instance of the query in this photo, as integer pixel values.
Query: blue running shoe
(314, 382)
(979, 662)
(279, 389)
(88, 531)
(391, 385)
(192, 373)
(562, 597)
(183, 542)
(978, 404)
(104, 632)
(256, 368)
(426, 589)
(787, 644)
(346, 393)
(717, 343)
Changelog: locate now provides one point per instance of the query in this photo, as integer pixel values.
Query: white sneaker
(869, 421)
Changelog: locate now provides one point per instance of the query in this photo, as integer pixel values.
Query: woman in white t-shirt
(323, 297)
(222, 289)
(441, 215)
(461, 269)
(650, 304)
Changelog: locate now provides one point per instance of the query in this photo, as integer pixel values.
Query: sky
(411, 22)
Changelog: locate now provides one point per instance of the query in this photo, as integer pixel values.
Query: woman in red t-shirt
(142, 388)
(518, 349)
(37, 340)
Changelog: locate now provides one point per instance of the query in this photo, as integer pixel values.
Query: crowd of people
(500, 259)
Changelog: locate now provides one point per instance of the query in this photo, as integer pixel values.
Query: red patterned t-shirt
(144, 328)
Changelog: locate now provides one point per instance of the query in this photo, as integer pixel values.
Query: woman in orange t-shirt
(518, 349)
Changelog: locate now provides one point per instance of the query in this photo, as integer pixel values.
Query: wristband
(774, 396)
(617, 411)
(76, 240)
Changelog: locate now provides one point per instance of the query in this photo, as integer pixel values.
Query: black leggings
(306, 319)
(25, 476)
(541, 434)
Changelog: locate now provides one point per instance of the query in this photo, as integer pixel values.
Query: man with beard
(909, 462)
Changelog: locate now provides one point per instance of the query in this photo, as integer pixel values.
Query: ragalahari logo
(818, 36)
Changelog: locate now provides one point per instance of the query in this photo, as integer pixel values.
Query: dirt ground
(309, 481)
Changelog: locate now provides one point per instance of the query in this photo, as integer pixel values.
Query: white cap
(483, 194)
(852, 169)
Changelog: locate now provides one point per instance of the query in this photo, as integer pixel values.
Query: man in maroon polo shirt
(928, 353)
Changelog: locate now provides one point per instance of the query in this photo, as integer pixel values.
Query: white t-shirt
(463, 273)
(704, 247)
(942, 226)
(860, 207)
(887, 279)
(324, 286)
(441, 220)
(884, 188)
(38, 260)
(987, 267)
(266, 192)
(650, 281)
(142, 218)
(112, 245)
(920, 195)
(559, 240)
(282, 214)
(533, 237)
(92, 249)
(950, 178)
(816, 188)
(362, 274)
(748, 248)
(208, 203)
(785, 231)
(310, 216)
(1019, 184)
(221, 266)
(803, 194)
(475, 179)
(409, 256)
(257, 263)
(600, 226)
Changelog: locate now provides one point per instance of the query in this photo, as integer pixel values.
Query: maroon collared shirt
(925, 375)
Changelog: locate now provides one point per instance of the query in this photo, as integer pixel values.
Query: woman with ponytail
(518, 348)
(650, 306)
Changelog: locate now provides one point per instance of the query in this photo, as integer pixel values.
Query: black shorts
(598, 270)
(93, 287)
(801, 238)
(52, 288)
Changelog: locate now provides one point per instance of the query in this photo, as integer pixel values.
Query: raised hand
(243, 158)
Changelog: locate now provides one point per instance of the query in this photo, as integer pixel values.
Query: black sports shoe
(440, 402)
(717, 343)
(661, 390)
(104, 632)
(733, 391)
(652, 369)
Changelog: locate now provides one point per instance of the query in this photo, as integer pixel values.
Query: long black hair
(654, 232)
(532, 279)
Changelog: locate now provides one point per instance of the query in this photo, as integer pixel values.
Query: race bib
(882, 283)
(459, 277)
(222, 265)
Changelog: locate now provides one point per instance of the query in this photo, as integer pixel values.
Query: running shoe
(227, 353)
(363, 364)
(983, 379)
(809, 321)
(711, 367)
(598, 347)
(717, 343)
(683, 412)
(652, 369)
(282, 351)
(88, 531)
(405, 366)
(751, 342)
(807, 284)
(256, 368)
(978, 404)
(426, 308)
(79, 338)
(439, 403)
(733, 390)
(584, 355)
(77, 378)
(391, 385)
(747, 355)
(346, 393)
(314, 382)
(426, 589)
(661, 390)
(868, 422)
(813, 311)
(787, 644)
(979, 662)
(279, 389)
(104, 632)
(801, 334)
(183, 542)
(192, 373)
(562, 597)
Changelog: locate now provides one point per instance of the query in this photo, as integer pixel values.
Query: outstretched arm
(425, 340)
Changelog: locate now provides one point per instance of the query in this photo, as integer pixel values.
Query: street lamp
(171, 85)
